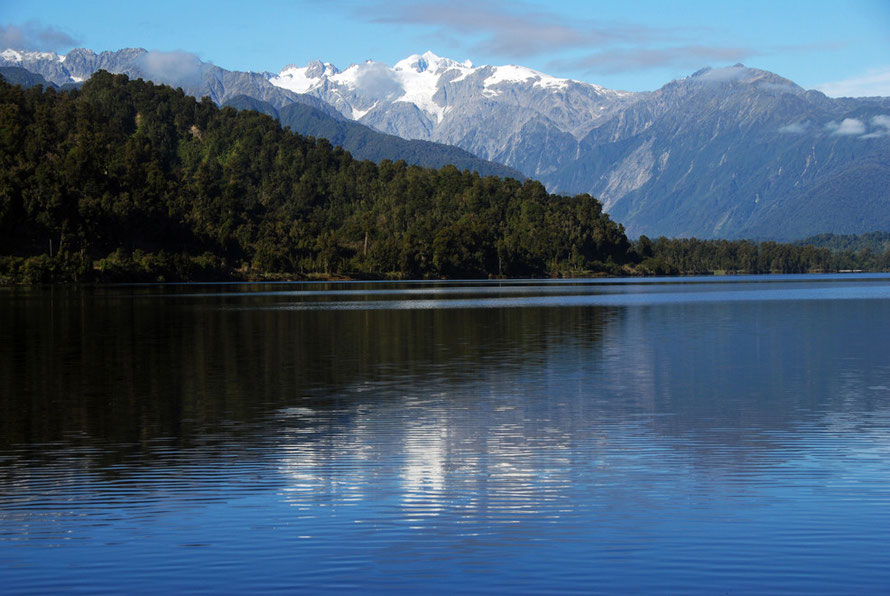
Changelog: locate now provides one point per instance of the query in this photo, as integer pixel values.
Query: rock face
(732, 152)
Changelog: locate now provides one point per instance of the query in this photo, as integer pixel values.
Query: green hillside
(128, 180)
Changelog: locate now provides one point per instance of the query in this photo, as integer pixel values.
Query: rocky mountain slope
(739, 152)
(364, 142)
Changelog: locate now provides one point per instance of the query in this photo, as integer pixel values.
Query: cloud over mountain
(846, 127)
(34, 36)
(179, 68)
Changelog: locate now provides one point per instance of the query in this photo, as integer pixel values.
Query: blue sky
(842, 48)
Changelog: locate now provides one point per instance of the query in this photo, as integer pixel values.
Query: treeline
(690, 256)
(128, 180)
(867, 252)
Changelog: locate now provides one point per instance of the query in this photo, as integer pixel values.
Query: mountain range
(305, 114)
(731, 152)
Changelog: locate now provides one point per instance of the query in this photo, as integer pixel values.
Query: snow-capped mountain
(429, 97)
(729, 152)
(435, 86)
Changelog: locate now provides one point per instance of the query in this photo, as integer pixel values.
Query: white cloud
(374, 79)
(34, 36)
(880, 127)
(874, 83)
(728, 74)
(172, 68)
(847, 127)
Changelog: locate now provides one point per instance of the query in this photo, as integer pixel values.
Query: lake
(692, 435)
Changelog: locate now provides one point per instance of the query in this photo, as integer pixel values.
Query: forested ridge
(124, 180)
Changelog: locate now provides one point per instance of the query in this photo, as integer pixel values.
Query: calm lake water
(667, 435)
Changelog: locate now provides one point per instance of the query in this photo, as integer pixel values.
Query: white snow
(414, 80)
(349, 78)
(549, 82)
(419, 76)
(357, 114)
(11, 55)
(16, 56)
(521, 74)
(294, 79)
(420, 91)
(430, 62)
(510, 74)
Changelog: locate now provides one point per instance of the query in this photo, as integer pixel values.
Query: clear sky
(841, 47)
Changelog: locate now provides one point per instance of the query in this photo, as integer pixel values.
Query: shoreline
(312, 278)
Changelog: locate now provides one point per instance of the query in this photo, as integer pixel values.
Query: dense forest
(126, 180)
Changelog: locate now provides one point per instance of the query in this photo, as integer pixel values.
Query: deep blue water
(694, 435)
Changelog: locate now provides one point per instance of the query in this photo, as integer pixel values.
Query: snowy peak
(11, 55)
(429, 62)
(432, 84)
(513, 74)
(304, 79)
(358, 89)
